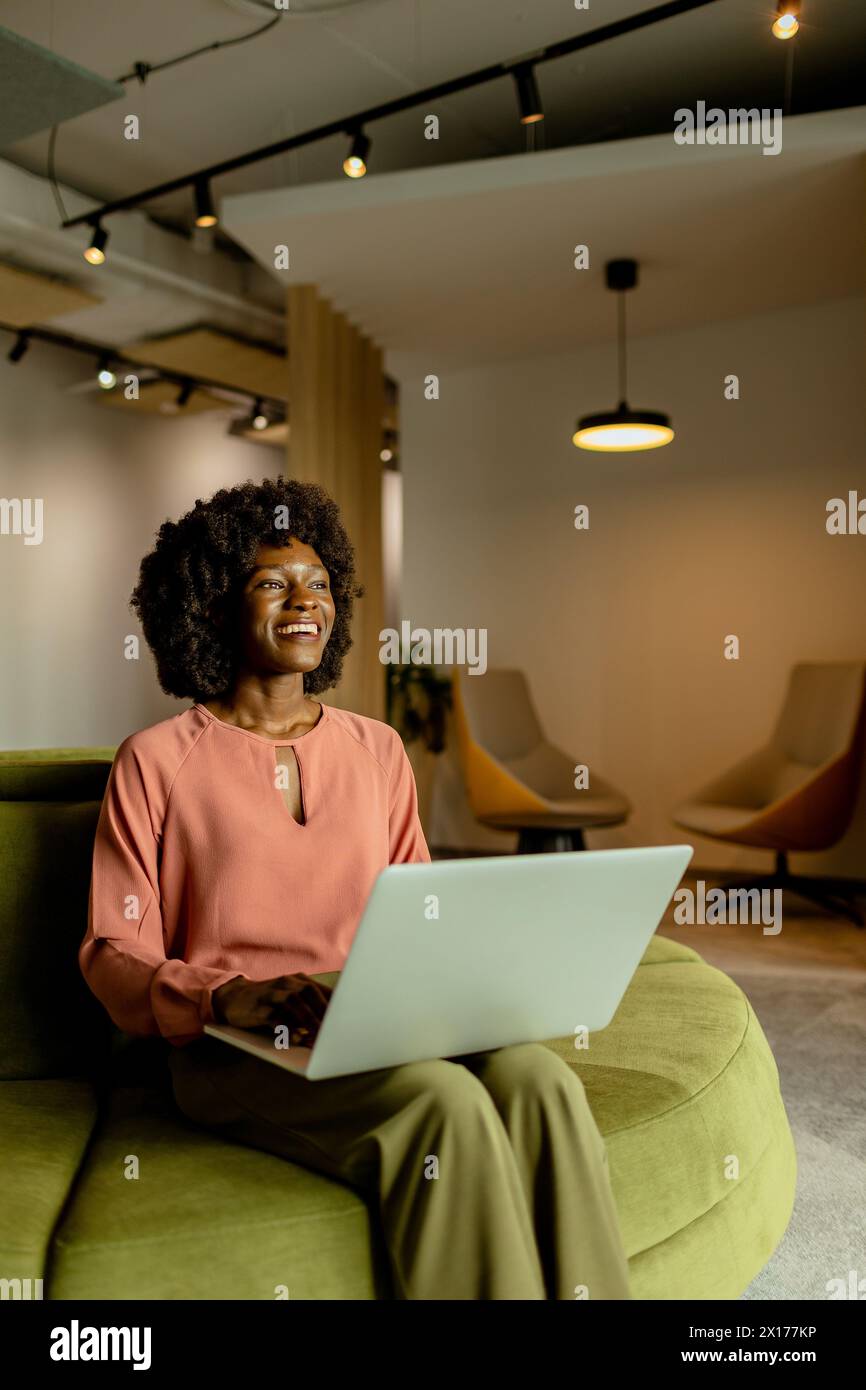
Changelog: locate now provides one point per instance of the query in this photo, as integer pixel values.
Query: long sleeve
(407, 844)
(122, 956)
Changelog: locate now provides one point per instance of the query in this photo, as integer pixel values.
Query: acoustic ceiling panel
(27, 298)
(211, 355)
(160, 398)
(41, 89)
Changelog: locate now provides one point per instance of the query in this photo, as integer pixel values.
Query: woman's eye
(317, 583)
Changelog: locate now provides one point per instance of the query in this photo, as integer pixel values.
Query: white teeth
(298, 627)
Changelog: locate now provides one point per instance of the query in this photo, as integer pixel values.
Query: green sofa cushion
(207, 1220)
(57, 755)
(44, 1129)
(50, 1023)
(662, 950)
(685, 1091)
(681, 1078)
(719, 1254)
(30, 776)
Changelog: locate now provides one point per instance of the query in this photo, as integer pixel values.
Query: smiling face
(286, 610)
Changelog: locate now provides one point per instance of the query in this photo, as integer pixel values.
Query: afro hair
(200, 563)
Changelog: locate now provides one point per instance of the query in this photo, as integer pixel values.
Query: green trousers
(488, 1170)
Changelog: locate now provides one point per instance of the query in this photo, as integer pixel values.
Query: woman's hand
(295, 1000)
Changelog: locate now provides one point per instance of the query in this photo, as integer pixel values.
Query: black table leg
(539, 840)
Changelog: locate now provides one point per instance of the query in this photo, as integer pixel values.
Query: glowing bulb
(355, 163)
(95, 253)
(622, 438)
(786, 26)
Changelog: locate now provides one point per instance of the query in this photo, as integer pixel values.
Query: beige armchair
(515, 779)
(798, 792)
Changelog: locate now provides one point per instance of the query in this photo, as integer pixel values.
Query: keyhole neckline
(302, 796)
(261, 738)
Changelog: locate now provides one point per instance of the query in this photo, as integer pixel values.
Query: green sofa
(682, 1083)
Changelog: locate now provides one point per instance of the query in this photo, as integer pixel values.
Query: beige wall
(621, 628)
(108, 482)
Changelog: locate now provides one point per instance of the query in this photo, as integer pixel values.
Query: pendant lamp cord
(621, 353)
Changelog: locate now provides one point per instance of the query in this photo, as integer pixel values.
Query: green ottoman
(685, 1090)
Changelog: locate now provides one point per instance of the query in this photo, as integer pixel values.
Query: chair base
(834, 895)
(539, 839)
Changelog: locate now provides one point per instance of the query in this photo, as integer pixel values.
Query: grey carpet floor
(816, 1026)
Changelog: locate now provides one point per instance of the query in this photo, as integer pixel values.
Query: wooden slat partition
(336, 404)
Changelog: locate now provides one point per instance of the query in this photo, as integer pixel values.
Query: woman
(236, 847)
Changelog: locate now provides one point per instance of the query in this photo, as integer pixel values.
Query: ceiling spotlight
(204, 209)
(528, 96)
(259, 419)
(104, 375)
(386, 455)
(355, 163)
(622, 430)
(19, 347)
(787, 21)
(95, 253)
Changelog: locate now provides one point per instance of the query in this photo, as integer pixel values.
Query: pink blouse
(201, 873)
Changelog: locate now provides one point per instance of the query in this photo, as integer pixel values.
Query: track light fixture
(528, 97)
(104, 375)
(19, 347)
(356, 120)
(204, 208)
(622, 430)
(110, 361)
(355, 163)
(95, 253)
(787, 21)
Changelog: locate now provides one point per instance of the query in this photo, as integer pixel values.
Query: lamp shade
(623, 430)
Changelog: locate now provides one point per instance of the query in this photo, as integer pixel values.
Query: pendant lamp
(622, 430)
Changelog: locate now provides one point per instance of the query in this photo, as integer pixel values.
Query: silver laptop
(464, 955)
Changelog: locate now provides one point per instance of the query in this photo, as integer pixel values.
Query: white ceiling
(314, 68)
(424, 258)
(153, 280)
(474, 262)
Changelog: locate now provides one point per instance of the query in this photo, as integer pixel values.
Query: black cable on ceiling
(141, 72)
(481, 76)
